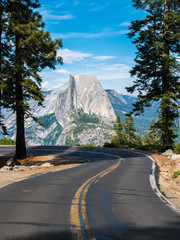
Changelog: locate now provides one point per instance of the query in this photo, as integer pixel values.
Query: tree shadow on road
(169, 231)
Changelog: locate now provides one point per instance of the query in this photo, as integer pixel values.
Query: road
(109, 197)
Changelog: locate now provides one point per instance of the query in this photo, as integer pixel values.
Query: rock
(7, 168)
(175, 156)
(168, 152)
(47, 165)
(12, 161)
(18, 168)
(84, 92)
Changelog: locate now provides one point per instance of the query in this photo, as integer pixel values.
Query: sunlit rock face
(84, 92)
(78, 112)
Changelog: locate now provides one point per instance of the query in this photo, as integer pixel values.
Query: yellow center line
(78, 215)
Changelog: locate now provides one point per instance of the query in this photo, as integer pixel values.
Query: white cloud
(113, 72)
(60, 4)
(48, 16)
(63, 71)
(125, 24)
(105, 33)
(103, 58)
(44, 84)
(117, 67)
(70, 56)
(98, 7)
(54, 87)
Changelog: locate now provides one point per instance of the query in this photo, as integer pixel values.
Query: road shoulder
(33, 166)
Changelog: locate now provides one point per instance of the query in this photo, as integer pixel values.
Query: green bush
(176, 174)
(89, 145)
(5, 141)
(177, 148)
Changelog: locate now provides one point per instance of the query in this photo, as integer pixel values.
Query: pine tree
(118, 139)
(157, 39)
(153, 137)
(32, 51)
(4, 65)
(130, 131)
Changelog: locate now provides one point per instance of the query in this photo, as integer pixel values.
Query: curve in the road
(78, 215)
(152, 181)
(118, 197)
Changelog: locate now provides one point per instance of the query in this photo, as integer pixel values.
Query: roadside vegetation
(5, 141)
(157, 68)
(176, 174)
(126, 136)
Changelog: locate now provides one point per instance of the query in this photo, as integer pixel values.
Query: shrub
(176, 174)
(5, 141)
(88, 145)
(177, 148)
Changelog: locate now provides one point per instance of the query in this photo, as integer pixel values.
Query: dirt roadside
(33, 165)
(169, 186)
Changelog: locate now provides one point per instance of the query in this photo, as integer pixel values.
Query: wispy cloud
(63, 71)
(125, 24)
(60, 4)
(114, 71)
(44, 84)
(117, 67)
(47, 15)
(104, 58)
(97, 8)
(59, 85)
(70, 56)
(105, 33)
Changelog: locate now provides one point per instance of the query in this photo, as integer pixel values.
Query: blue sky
(94, 40)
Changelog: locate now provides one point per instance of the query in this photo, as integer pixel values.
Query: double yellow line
(78, 215)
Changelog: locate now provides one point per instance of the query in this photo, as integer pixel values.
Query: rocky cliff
(84, 92)
(79, 112)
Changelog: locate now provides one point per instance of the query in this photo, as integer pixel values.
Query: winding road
(109, 197)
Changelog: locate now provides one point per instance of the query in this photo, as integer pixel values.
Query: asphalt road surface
(106, 198)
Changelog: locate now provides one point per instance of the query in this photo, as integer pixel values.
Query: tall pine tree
(32, 51)
(157, 39)
(130, 132)
(118, 138)
(153, 136)
(5, 48)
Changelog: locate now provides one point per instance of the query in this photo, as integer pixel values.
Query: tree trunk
(1, 12)
(20, 130)
(165, 81)
(20, 134)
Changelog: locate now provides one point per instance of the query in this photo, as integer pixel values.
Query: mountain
(123, 104)
(84, 92)
(78, 112)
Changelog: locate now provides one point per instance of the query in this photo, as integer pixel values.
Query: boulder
(47, 165)
(175, 156)
(12, 161)
(18, 168)
(168, 152)
(7, 168)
